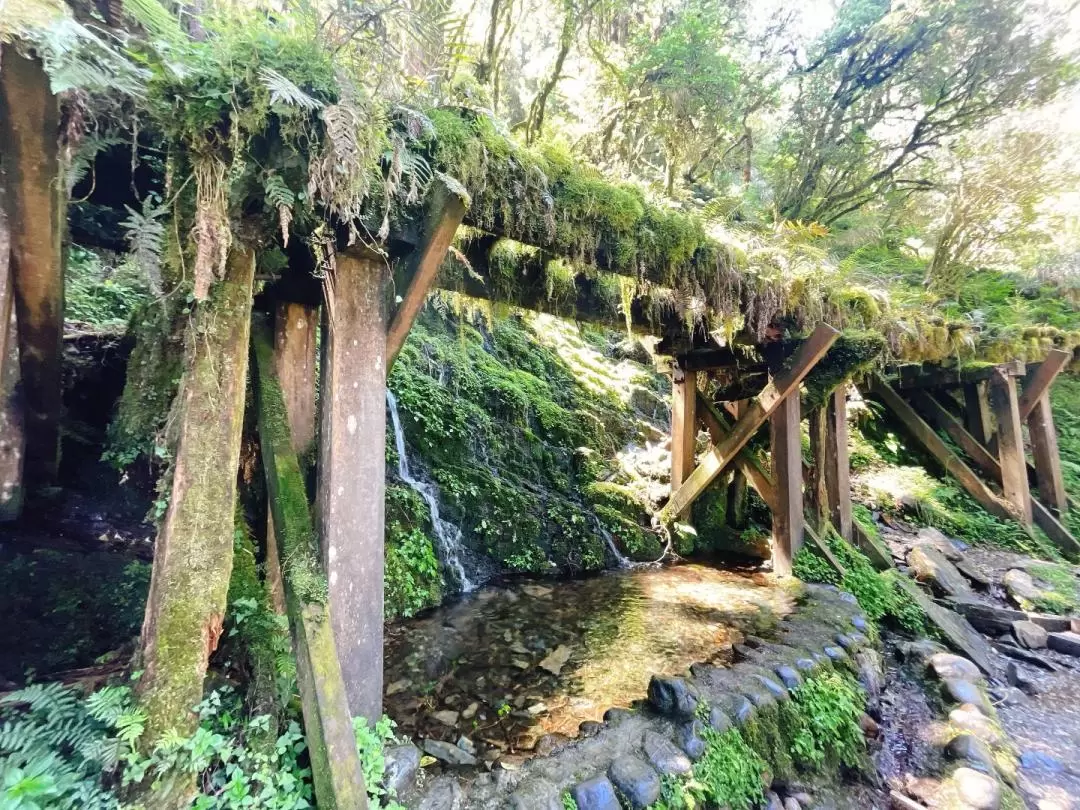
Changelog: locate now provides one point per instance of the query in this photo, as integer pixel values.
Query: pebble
(595, 794)
(470, 711)
(447, 717)
(972, 750)
(635, 780)
(664, 755)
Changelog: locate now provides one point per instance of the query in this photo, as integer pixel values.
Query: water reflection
(507, 666)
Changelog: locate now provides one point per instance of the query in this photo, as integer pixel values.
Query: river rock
(1038, 761)
(447, 717)
(970, 719)
(554, 662)
(1021, 588)
(1029, 634)
(537, 794)
(443, 794)
(772, 801)
(448, 753)
(663, 754)
(635, 780)
(958, 691)
(789, 676)
(979, 791)
(791, 803)
(971, 749)
(689, 737)
(941, 543)
(835, 654)
(920, 652)
(930, 566)
(673, 697)
(1018, 678)
(947, 665)
(1067, 643)
(402, 763)
(595, 794)
(589, 728)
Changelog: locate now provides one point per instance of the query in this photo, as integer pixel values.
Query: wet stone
(920, 652)
(848, 597)
(690, 740)
(805, 664)
(789, 676)
(860, 623)
(402, 763)
(738, 708)
(835, 654)
(947, 666)
(1029, 635)
(775, 689)
(635, 780)
(931, 566)
(972, 750)
(448, 753)
(537, 795)
(772, 801)
(791, 803)
(860, 640)
(673, 697)
(444, 794)
(871, 673)
(1039, 761)
(968, 718)
(1020, 679)
(663, 755)
(595, 794)
(845, 641)
(978, 790)
(959, 691)
(1067, 643)
(590, 728)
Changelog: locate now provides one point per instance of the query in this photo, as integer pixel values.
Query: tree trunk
(193, 553)
(29, 127)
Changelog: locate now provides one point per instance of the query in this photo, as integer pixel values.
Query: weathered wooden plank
(933, 443)
(823, 547)
(1039, 381)
(817, 497)
(875, 550)
(335, 766)
(445, 212)
(980, 423)
(719, 429)
(352, 471)
(838, 464)
(953, 378)
(1044, 449)
(29, 129)
(759, 410)
(788, 521)
(683, 426)
(1005, 405)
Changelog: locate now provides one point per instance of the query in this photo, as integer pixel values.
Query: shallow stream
(516, 669)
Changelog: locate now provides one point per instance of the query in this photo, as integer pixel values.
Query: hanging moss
(853, 353)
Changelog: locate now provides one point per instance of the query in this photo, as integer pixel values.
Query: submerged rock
(595, 794)
(554, 662)
(635, 780)
(971, 749)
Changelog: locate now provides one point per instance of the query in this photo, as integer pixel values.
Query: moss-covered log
(193, 552)
(335, 766)
(29, 128)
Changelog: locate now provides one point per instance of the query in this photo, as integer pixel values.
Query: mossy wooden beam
(760, 409)
(719, 429)
(29, 129)
(11, 427)
(788, 522)
(918, 377)
(335, 765)
(823, 547)
(1044, 449)
(352, 470)
(445, 212)
(837, 462)
(1004, 402)
(193, 552)
(977, 417)
(1038, 382)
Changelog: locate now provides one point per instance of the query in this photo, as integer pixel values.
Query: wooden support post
(760, 409)
(683, 428)
(736, 494)
(1005, 405)
(717, 426)
(838, 465)
(352, 471)
(1044, 449)
(194, 548)
(11, 425)
(445, 212)
(1039, 382)
(295, 328)
(817, 497)
(29, 129)
(977, 416)
(788, 477)
(335, 766)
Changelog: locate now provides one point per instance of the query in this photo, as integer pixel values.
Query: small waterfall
(446, 533)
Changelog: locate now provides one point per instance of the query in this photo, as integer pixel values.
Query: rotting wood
(838, 464)
(786, 444)
(29, 129)
(684, 396)
(1040, 379)
(295, 328)
(719, 429)
(933, 443)
(977, 416)
(1014, 481)
(746, 426)
(984, 460)
(1044, 449)
(335, 766)
(352, 471)
(193, 552)
(445, 213)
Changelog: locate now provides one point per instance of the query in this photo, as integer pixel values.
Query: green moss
(1063, 596)
(853, 353)
(413, 580)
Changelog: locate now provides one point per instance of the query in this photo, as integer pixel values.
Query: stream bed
(517, 669)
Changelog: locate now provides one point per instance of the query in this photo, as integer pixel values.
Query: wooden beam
(925, 435)
(352, 471)
(1005, 405)
(909, 377)
(980, 423)
(788, 521)
(29, 129)
(760, 409)
(719, 429)
(1038, 382)
(817, 498)
(445, 212)
(823, 547)
(838, 464)
(12, 442)
(1044, 449)
(683, 427)
(335, 765)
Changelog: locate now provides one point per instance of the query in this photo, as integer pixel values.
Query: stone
(973, 574)
(448, 753)
(968, 718)
(550, 743)
(557, 659)
(689, 737)
(920, 652)
(1013, 697)
(616, 715)
(537, 708)
(869, 726)
(847, 597)
(447, 717)
(536, 794)
(772, 801)
(947, 665)
(931, 567)
(444, 793)
(673, 697)
(860, 623)
(1013, 651)
(401, 764)
(590, 728)
(736, 707)
(1021, 588)
(791, 803)
(789, 676)
(804, 799)
(977, 790)
(835, 654)
(466, 745)
(871, 673)
(940, 542)
(470, 711)
(806, 664)
(1029, 635)
(595, 794)
(775, 689)
(961, 635)
(970, 749)
(398, 686)
(1038, 761)
(1018, 678)
(664, 755)
(958, 691)
(635, 780)
(1067, 643)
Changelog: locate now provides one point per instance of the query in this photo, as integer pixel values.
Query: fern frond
(284, 91)
(156, 19)
(145, 234)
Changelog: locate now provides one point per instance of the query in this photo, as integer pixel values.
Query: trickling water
(447, 534)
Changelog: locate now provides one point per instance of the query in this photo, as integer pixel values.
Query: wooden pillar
(1044, 448)
(787, 476)
(817, 495)
(295, 328)
(736, 494)
(352, 471)
(29, 128)
(194, 548)
(11, 426)
(1004, 403)
(977, 412)
(683, 427)
(838, 466)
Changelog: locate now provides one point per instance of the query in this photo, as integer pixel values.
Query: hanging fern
(145, 234)
(284, 91)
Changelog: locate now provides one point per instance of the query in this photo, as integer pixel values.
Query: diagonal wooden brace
(759, 410)
(1040, 381)
(719, 429)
